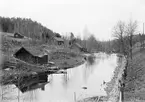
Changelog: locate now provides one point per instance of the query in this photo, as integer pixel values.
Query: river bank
(85, 81)
(111, 88)
(12, 67)
(134, 90)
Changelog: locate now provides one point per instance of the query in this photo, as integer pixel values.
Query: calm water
(69, 87)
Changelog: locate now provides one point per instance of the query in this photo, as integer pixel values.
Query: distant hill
(26, 27)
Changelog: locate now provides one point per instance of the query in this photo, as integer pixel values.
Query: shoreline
(112, 86)
(18, 68)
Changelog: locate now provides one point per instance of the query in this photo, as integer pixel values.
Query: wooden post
(74, 96)
(143, 35)
(43, 88)
(143, 28)
(121, 87)
(121, 94)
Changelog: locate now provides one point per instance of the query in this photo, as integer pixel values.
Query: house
(77, 47)
(58, 41)
(18, 35)
(32, 55)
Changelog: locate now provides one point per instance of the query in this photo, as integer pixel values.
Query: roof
(18, 33)
(33, 50)
(58, 39)
(77, 45)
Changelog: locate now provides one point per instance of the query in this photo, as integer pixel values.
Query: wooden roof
(33, 50)
(58, 39)
(77, 45)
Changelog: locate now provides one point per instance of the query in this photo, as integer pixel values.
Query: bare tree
(118, 32)
(131, 28)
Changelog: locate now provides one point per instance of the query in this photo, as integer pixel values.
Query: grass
(64, 59)
(135, 81)
(94, 99)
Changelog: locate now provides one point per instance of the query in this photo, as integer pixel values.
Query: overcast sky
(95, 16)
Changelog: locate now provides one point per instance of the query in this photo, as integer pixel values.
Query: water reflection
(25, 84)
(80, 82)
(28, 83)
(65, 79)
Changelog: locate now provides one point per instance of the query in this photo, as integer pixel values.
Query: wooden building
(32, 55)
(58, 41)
(77, 47)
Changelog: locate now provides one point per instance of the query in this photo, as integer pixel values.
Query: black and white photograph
(72, 50)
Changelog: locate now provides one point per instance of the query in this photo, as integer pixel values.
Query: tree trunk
(130, 41)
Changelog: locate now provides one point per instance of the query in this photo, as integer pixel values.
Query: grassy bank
(135, 81)
(134, 90)
(12, 67)
(94, 99)
(112, 88)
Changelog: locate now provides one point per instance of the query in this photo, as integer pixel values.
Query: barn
(31, 55)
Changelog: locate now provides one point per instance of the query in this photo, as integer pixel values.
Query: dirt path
(113, 95)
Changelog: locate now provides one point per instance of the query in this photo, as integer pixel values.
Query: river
(79, 82)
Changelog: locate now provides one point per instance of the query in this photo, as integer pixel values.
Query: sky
(97, 17)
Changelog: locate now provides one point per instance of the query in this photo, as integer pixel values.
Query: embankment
(135, 79)
(12, 67)
(112, 88)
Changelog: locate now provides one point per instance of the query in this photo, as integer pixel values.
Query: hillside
(26, 27)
